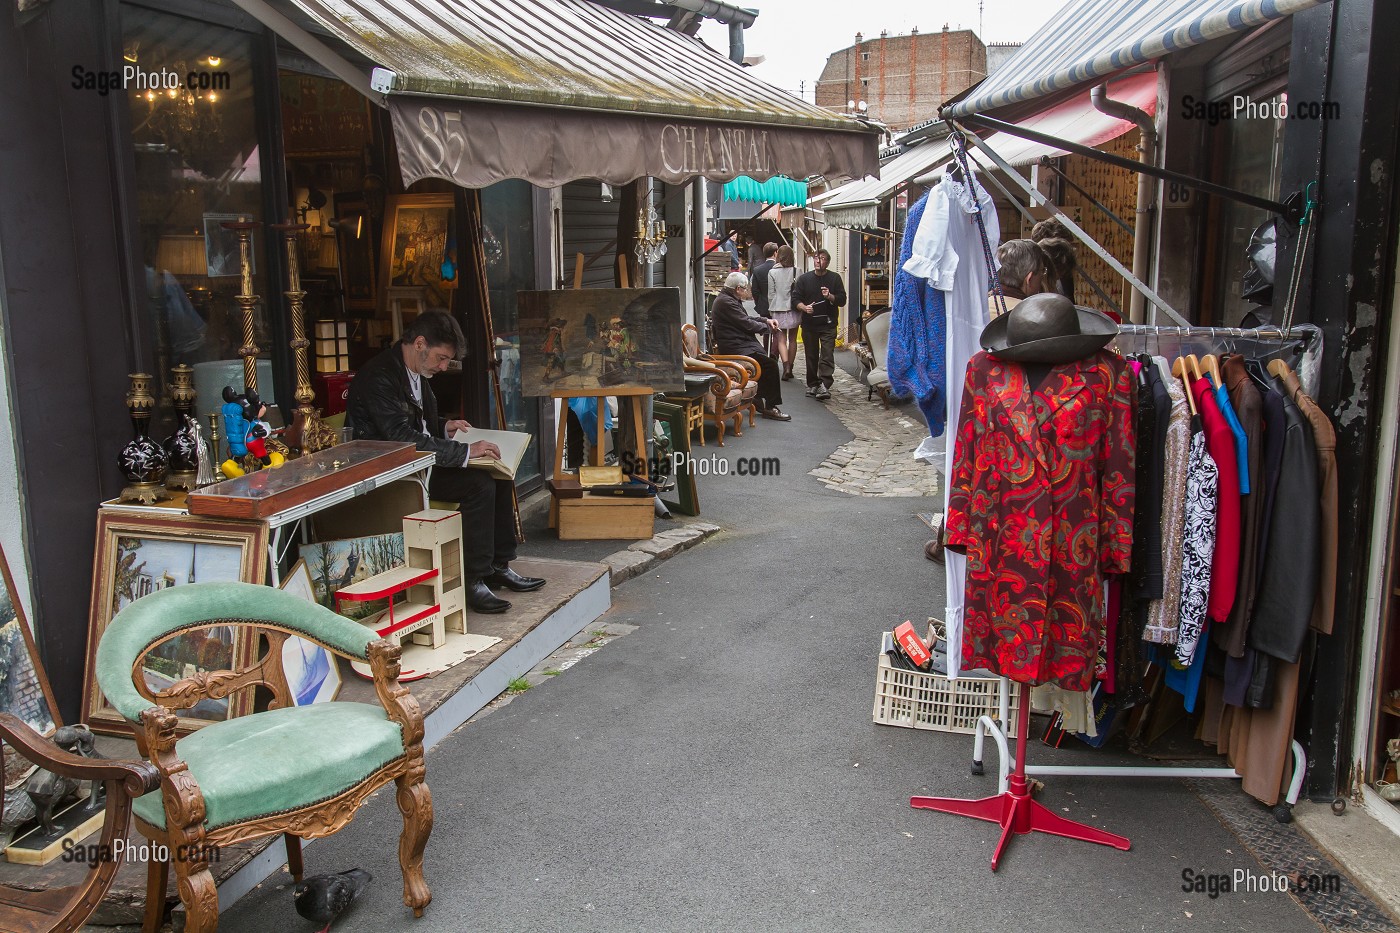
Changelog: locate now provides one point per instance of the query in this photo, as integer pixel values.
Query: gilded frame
(167, 534)
(408, 259)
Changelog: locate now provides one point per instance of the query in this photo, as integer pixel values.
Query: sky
(796, 36)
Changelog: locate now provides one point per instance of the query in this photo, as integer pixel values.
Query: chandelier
(651, 237)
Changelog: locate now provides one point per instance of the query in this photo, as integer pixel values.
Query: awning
(1089, 40)
(779, 190)
(557, 90)
(857, 204)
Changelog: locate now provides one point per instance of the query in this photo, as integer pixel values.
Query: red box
(332, 391)
(913, 645)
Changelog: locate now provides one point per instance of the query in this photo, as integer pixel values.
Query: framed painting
(139, 553)
(354, 231)
(334, 564)
(222, 257)
(24, 688)
(311, 670)
(600, 339)
(420, 247)
(685, 499)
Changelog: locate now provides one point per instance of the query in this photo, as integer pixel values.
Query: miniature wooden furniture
(418, 615)
(299, 771)
(698, 386)
(27, 911)
(433, 538)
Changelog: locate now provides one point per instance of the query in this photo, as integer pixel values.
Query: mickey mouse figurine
(246, 432)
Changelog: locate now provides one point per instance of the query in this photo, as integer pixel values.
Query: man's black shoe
(505, 577)
(481, 599)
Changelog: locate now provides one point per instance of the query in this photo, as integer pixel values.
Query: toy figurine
(244, 429)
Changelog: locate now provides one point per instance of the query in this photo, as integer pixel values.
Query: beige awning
(556, 90)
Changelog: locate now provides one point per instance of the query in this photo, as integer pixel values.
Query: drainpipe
(736, 42)
(1147, 186)
(737, 18)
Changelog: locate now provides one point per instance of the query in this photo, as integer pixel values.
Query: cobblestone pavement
(879, 461)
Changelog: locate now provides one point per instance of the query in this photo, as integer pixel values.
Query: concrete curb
(638, 558)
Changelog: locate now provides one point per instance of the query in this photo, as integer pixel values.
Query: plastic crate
(918, 700)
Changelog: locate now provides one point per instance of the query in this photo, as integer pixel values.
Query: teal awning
(776, 190)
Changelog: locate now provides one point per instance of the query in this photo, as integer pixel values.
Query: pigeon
(322, 898)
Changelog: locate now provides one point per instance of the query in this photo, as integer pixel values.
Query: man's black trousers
(488, 519)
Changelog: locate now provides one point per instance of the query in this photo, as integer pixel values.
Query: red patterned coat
(1041, 501)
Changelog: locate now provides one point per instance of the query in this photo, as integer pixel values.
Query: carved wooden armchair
(298, 771)
(25, 911)
(734, 394)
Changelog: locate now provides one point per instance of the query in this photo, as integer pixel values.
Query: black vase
(142, 461)
(182, 447)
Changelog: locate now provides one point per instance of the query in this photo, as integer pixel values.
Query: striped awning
(1089, 40)
(777, 190)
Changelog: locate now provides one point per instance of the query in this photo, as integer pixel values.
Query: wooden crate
(601, 518)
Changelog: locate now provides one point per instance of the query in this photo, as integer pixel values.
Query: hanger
(1179, 371)
(1280, 369)
(1194, 364)
(1211, 364)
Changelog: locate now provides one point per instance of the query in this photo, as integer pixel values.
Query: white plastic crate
(918, 700)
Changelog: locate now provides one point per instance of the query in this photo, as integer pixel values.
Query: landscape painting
(335, 564)
(576, 341)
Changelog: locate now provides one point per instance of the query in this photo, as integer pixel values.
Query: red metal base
(1015, 810)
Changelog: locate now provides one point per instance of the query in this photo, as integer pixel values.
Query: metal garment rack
(1013, 806)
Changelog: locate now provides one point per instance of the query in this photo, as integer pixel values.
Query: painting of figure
(595, 339)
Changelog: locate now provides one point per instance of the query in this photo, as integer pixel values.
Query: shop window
(508, 231)
(197, 163)
(1250, 153)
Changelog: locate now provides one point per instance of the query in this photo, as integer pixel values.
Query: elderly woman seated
(736, 333)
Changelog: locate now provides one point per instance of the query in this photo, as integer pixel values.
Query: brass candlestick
(308, 432)
(246, 300)
(214, 437)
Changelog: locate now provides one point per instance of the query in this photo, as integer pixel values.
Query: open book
(511, 443)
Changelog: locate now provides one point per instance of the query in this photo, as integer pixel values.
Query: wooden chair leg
(157, 875)
(198, 894)
(719, 430)
(738, 417)
(294, 866)
(751, 408)
(416, 804)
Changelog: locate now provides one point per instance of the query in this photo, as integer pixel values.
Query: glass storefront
(507, 216)
(198, 165)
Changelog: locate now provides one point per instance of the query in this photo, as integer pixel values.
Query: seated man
(736, 335)
(389, 402)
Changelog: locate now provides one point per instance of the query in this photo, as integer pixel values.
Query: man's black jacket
(381, 408)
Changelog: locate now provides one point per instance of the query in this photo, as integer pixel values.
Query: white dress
(948, 252)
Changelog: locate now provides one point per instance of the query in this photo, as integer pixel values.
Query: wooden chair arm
(737, 372)
(401, 705)
(722, 385)
(137, 777)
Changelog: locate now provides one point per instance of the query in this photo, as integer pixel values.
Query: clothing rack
(1013, 806)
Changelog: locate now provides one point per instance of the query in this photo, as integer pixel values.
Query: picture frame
(685, 499)
(312, 671)
(222, 256)
(140, 552)
(355, 248)
(600, 340)
(419, 247)
(24, 686)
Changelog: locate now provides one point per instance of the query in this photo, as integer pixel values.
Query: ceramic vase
(142, 461)
(182, 447)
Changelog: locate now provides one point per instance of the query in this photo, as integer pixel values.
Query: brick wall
(903, 79)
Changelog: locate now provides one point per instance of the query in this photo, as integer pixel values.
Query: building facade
(902, 78)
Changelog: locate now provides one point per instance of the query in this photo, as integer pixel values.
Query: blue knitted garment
(918, 331)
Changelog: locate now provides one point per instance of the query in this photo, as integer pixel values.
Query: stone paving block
(627, 564)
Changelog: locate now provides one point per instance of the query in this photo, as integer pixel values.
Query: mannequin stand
(1014, 809)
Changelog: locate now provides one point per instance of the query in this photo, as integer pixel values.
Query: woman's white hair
(736, 280)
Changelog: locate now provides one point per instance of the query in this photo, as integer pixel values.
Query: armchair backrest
(152, 619)
(877, 331)
(690, 339)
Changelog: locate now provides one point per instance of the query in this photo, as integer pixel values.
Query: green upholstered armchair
(298, 771)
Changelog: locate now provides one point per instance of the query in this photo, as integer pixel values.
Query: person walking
(736, 334)
(780, 281)
(819, 294)
(758, 279)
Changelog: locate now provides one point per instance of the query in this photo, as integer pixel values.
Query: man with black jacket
(758, 279)
(736, 334)
(390, 401)
(818, 295)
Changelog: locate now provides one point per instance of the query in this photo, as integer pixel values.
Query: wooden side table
(692, 400)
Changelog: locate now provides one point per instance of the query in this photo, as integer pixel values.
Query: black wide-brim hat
(1048, 328)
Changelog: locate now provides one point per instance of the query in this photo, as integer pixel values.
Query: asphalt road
(717, 769)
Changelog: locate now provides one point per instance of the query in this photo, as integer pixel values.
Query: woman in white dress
(780, 279)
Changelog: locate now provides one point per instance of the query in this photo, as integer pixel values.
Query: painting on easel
(600, 339)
